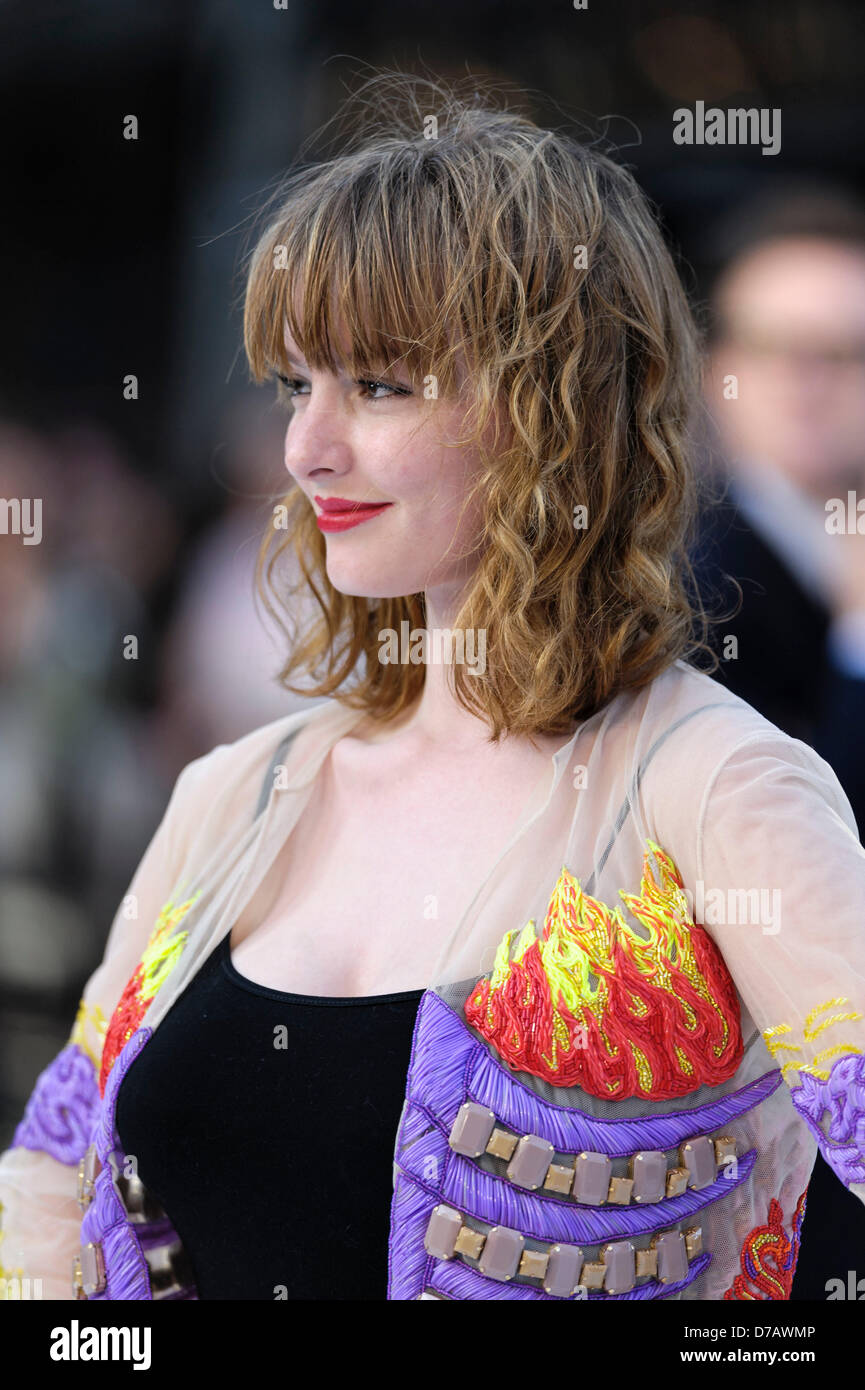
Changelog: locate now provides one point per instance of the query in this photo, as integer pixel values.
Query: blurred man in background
(786, 389)
(785, 385)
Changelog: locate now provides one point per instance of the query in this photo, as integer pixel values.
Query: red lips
(346, 504)
(342, 513)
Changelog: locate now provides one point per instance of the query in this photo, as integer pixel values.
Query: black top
(273, 1162)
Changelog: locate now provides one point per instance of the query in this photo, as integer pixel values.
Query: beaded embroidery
(812, 1028)
(592, 1003)
(159, 959)
(768, 1257)
(89, 1014)
(830, 1098)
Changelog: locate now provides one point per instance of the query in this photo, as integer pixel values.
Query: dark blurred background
(120, 259)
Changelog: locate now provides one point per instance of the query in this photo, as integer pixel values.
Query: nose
(316, 439)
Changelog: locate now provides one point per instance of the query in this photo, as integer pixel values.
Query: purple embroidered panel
(449, 1066)
(105, 1220)
(842, 1097)
(461, 1281)
(496, 1201)
(62, 1108)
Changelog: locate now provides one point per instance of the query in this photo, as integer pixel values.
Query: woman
(550, 919)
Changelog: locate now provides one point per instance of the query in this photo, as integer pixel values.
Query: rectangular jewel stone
(471, 1129)
(592, 1178)
(83, 1197)
(647, 1263)
(534, 1263)
(92, 1268)
(620, 1266)
(694, 1241)
(501, 1255)
(469, 1242)
(502, 1144)
(164, 1263)
(677, 1181)
(672, 1256)
(620, 1191)
(92, 1164)
(559, 1178)
(88, 1171)
(441, 1232)
(593, 1275)
(649, 1172)
(725, 1147)
(134, 1197)
(698, 1156)
(562, 1278)
(529, 1165)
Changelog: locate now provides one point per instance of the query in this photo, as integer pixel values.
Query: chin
(363, 582)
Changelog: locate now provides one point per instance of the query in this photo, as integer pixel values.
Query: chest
(368, 886)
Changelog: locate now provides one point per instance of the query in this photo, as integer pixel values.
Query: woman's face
(377, 441)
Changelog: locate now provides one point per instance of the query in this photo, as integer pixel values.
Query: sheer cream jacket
(649, 1017)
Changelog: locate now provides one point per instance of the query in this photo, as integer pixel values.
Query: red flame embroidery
(160, 956)
(769, 1256)
(593, 1003)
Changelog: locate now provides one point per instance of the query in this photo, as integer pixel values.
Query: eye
(373, 384)
(289, 387)
(375, 390)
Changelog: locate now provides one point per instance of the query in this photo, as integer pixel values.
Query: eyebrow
(294, 362)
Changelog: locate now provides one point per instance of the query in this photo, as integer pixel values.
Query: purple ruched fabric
(842, 1097)
(106, 1220)
(62, 1108)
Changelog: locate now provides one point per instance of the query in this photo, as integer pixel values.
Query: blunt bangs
(357, 265)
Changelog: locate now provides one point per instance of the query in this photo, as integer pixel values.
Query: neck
(436, 721)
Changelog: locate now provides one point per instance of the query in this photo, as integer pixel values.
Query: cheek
(452, 511)
(426, 469)
(427, 474)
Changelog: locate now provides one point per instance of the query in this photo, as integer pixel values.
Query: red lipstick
(341, 513)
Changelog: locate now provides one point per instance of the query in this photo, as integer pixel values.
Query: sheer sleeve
(778, 878)
(40, 1220)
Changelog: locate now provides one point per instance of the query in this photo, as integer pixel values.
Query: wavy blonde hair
(445, 234)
